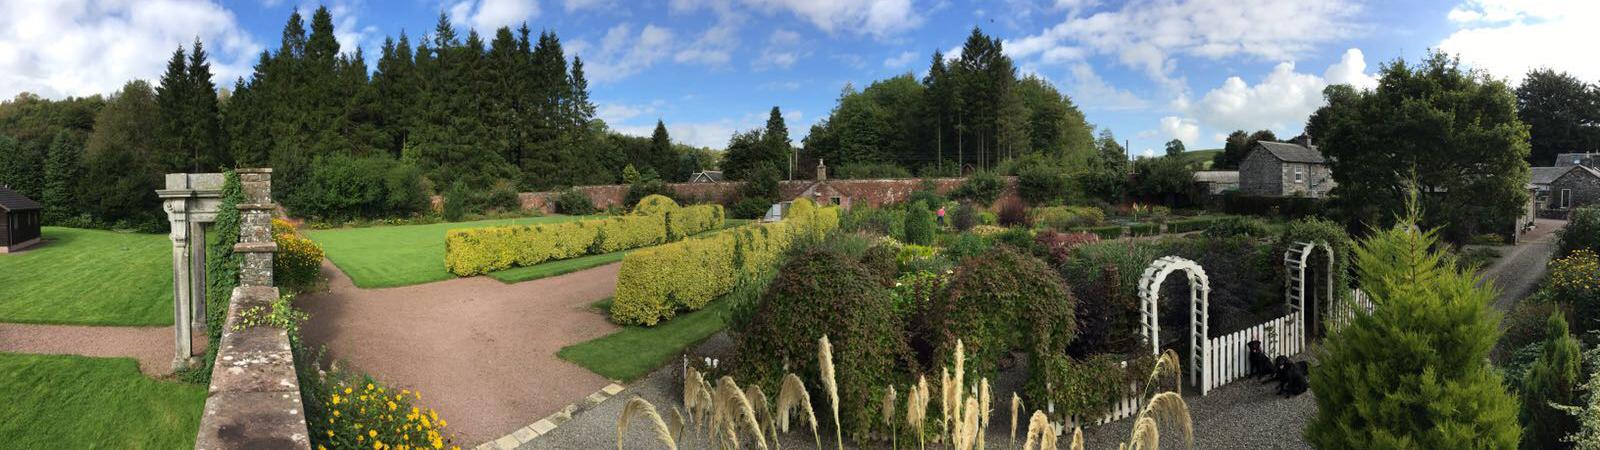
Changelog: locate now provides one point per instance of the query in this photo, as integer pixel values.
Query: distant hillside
(1201, 157)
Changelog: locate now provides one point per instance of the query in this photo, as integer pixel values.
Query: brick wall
(861, 192)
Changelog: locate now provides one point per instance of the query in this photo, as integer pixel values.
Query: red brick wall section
(861, 192)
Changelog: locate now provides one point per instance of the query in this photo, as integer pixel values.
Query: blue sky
(1148, 70)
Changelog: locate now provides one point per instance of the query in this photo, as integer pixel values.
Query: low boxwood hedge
(656, 221)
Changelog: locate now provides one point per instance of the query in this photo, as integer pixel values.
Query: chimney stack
(822, 171)
(1304, 140)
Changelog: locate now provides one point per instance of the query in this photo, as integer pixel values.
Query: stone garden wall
(254, 398)
(861, 192)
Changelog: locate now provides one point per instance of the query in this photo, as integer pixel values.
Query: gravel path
(481, 352)
(152, 346)
(1518, 270)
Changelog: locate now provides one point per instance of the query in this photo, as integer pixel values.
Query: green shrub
(1083, 388)
(655, 283)
(1525, 324)
(1575, 283)
(880, 260)
(638, 191)
(881, 221)
(457, 202)
(988, 218)
(1551, 379)
(625, 232)
(573, 202)
(1019, 239)
(478, 251)
(919, 227)
(342, 187)
(1063, 218)
(912, 252)
(1104, 278)
(655, 205)
(1001, 302)
(1040, 184)
(981, 187)
(1144, 229)
(1582, 231)
(927, 194)
(751, 208)
(966, 245)
(964, 217)
(1414, 373)
(1238, 226)
(1188, 225)
(816, 294)
(1106, 232)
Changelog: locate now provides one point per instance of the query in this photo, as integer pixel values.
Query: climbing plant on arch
(1199, 314)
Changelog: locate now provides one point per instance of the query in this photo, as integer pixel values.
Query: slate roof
(714, 176)
(1544, 175)
(1290, 152)
(1216, 176)
(1572, 159)
(12, 201)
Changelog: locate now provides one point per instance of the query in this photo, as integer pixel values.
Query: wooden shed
(19, 221)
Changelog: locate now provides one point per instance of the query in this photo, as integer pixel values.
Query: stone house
(1285, 169)
(706, 176)
(1577, 186)
(1215, 182)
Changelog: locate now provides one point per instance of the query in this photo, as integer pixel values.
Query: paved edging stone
(544, 426)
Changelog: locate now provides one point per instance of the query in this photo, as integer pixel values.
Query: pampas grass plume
(1016, 406)
(825, 363)
(638, 406)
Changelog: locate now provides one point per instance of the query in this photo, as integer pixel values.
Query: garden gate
(1294, 261)
(1199, 301)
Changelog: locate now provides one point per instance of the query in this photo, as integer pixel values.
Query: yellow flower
(319, 447)
(347, 391)
(369, 386)
(392, 406)
(336, 413)
(377, 445)
(330, 433)
(373, 433)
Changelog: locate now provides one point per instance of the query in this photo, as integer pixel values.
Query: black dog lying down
(1293, 377)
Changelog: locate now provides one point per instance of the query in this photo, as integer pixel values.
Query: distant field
(59, 401)
(1201, 157)
(389, 256)
(89, 277)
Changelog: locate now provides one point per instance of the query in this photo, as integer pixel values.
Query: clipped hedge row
(477, 251)
(1187, 225)
(655, 283)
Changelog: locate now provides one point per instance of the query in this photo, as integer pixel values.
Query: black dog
(1260, 363)
(1293, 377)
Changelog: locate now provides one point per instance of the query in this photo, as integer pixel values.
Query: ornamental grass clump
(639, 407)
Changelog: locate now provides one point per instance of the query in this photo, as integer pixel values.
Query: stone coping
(255, 247)
(254, 398)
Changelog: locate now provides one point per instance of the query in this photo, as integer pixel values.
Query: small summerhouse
(19, 221)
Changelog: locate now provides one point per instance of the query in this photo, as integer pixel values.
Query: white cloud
(616, 113)
(1148, 35)
(1509, 38)
(901, 60)
(576, 5)
(623, 53)
(879, 18)
(1281, 101)
(784, 48)
(61, 48)
(1186, 130)
(714, 47)
(488, 15)
(1094, 93)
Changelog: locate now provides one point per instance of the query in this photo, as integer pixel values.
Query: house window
(835, 200)
(1299, 174)
(1566, 198)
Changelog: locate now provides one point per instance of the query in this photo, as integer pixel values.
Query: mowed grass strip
(402, 255)
(61, 401)
(566, 266)
(89, 277)
(633, 352)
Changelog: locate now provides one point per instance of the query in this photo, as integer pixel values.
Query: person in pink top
(941, 216)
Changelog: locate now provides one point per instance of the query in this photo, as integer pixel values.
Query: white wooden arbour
(1294, 260)
(1199, 314)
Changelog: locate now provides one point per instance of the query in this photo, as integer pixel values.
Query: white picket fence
(1229, 357)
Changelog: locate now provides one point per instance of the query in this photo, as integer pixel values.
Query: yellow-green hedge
(654, 284)
(478, 251)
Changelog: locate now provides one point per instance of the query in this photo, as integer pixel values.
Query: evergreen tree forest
(970, 111)
(448, 112)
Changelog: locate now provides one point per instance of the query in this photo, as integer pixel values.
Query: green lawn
(633, 352)
(55, 401)
(565, 266)
(389, 256)
(89, 277)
